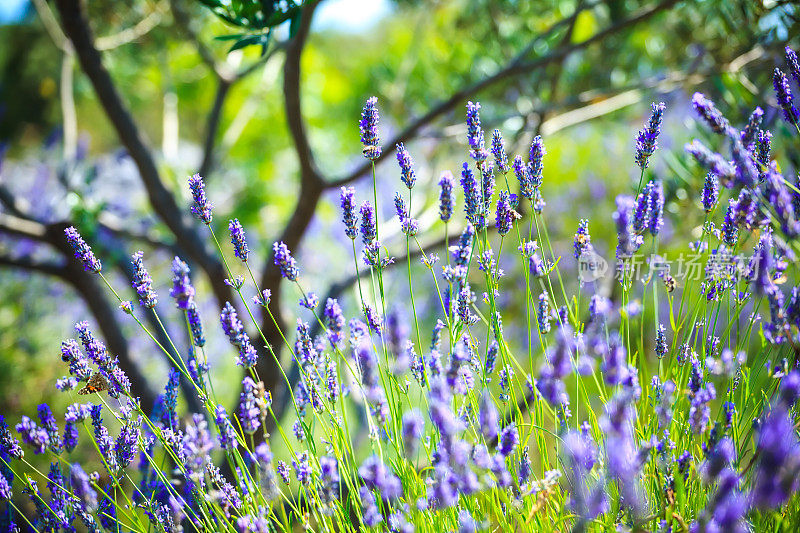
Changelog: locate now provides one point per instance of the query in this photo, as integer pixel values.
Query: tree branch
(212, 125)
(77, 29)
(311, 187)
(514, 68)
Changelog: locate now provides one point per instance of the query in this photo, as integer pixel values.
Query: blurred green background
(63, 160)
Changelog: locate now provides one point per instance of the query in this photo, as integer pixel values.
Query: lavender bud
(710, 195)
(730, 230)
(285, 262)
(249, 412)
(499, 152)
(505, 214)
(369, 230)
(784, 96)
(406, 166)
(474, 132)
(142, 282)
(582, 244)
(708, 112)
(447, 199)
(227, 435)
(473, 201)
(369, 129)
(201, 207)
(646, 140)
(509, 439)
(83, 252)
(413, 428)
(238, 240)
(535, 165)
(349, 218)
(182, 290)
(748, 134)
(656, 201)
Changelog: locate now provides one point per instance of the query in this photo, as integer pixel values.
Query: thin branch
(128, 35)
(23, 227)
(220, 68)
(212, 126)
(16, 206)
(26, 263)
(515, 68)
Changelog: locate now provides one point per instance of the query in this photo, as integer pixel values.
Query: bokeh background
(582, 73)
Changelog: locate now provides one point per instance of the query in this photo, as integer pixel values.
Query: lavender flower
(48, 422)
(487, 187)
(142, 282)
(582, 242)
(234, 329)
(447, 199)
(103, 440)
(196, 327)
(474, 132)
(377, 476)
(526, 187)
(369, 230)
(712, 162)
(656, 214)
(227, 435)
(238, 240)
(778, 470)
(349, 218)
(641, 213)
(5, 488)
(710, 195)
(488, 418)
(543, 313)
(499, 152)
(329, 477)
(285, 262)
(182, 290)
(749, 133)
(66, 383)
(508, 441)
(730, 231)
(334, 321)
(83, 252)
(535, 165)
(32, 435)
(127, 442)
(70, 437)
(249, 411)
(201, 207)
(413, 427)
(370, 512)
(708, 112)
(505, 214)
(587, 499)
(661, 341)
(763, 147)
(629, 242)
(406, 166)
(473, 199)
(369, 129)
(646, 140)
(794, 66)
(784, 96)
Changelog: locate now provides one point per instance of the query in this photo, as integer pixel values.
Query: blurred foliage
(418, 55)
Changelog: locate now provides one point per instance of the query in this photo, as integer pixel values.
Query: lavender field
(573, 306)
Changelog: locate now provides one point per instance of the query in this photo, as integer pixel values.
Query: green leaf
(259, 38)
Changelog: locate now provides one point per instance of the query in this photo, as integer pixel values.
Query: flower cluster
(592, 411)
